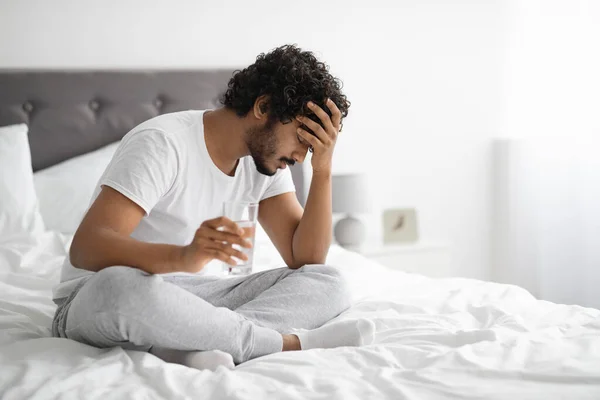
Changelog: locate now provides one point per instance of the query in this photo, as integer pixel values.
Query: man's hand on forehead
(321, 135)
(314, 117)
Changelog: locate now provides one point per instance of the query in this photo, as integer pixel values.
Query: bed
(434, 339)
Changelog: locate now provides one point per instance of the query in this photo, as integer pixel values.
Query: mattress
(435, 339)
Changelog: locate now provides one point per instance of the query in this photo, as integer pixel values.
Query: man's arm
(304, 238)
(301, 237)
(103, 240)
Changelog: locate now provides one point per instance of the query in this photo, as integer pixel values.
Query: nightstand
(433, 260)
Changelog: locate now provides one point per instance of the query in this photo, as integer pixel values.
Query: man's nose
(300, 155)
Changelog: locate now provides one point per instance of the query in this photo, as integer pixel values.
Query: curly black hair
(289, 77)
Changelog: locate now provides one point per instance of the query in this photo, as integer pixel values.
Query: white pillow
(19, 213)
(65, 190)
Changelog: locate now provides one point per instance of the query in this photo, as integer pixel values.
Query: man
(131, 277)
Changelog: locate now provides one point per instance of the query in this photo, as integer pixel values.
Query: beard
(262, 144)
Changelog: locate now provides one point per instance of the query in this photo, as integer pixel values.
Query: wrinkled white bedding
(435, 339)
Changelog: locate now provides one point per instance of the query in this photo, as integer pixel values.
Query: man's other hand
(214, 240)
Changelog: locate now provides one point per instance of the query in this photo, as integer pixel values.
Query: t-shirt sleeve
(143, 169)
(281, 182)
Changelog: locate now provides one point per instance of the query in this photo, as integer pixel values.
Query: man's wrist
(322, 174)
(176, 259)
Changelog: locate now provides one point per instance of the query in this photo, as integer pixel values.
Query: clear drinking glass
(245, 215)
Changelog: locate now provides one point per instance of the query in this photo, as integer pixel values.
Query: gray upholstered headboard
(70, 113)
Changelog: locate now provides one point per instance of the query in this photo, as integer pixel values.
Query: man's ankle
(290, 343)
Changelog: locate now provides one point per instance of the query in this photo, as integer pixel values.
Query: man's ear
(261, 107)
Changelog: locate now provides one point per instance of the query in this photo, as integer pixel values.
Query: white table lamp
(350, 196)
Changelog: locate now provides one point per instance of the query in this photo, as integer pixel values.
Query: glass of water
(245, 215)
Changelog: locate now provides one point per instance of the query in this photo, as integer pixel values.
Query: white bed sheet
(435, 339)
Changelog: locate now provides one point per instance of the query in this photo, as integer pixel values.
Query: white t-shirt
(163, 165)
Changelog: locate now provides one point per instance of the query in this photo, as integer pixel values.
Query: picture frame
(400, 226)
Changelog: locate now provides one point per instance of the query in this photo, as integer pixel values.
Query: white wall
(547, 199)
(551, 69)
(424, 77)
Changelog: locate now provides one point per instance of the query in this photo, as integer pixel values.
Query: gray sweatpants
(244, 316)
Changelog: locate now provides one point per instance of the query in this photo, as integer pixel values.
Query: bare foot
(290, 343)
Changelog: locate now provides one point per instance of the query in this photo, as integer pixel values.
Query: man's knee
(113, 288)
(98, 313)
(337, 286)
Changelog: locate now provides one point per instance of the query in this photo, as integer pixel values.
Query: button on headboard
(70, 113)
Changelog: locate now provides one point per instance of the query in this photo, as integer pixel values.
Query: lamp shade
(350, 193)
